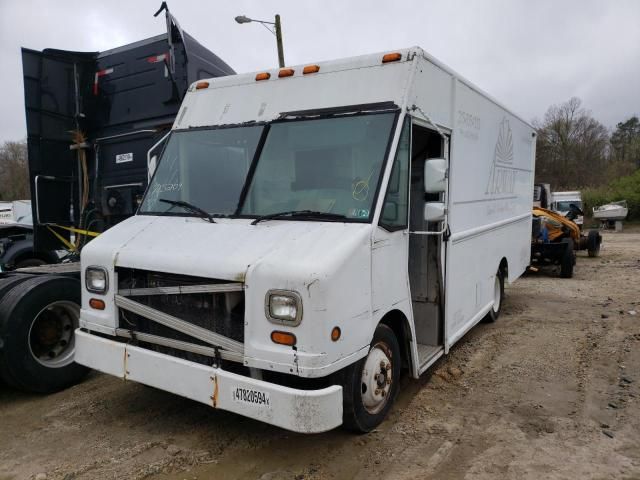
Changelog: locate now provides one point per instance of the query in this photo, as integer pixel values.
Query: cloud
(528, 55)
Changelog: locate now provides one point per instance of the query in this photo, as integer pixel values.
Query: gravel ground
(551, 390)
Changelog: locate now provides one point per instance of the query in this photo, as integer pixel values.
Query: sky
(527, 54)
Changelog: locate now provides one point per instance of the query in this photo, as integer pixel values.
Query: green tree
(625, 142)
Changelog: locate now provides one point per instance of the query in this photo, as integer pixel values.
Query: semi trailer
(308, 233)
(94, 122)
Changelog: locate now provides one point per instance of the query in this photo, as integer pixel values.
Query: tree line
(576, 151)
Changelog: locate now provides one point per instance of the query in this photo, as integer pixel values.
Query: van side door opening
(424, 251)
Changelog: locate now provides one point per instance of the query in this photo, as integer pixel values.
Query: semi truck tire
(10, 281)
(593, 243)
(568, 259)
(370, 386)
(38, 318)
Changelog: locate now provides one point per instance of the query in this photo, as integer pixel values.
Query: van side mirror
(434, 211)
(435, 175)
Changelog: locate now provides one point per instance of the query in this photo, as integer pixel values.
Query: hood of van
(223, 250)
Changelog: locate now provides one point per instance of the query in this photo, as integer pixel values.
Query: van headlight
(96, 279)
(283, 307)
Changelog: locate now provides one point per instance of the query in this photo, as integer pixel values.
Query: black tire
(568, 259)
(357, 416)
(10, 281)
(30, 262)
(593, 243)
(37, 321)
(494, 313)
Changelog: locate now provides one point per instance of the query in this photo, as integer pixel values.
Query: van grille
(219, 312)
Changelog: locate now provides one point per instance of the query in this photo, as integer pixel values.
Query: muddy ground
(552, 390)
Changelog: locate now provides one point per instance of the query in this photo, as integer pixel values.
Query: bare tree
(572, 147)
(14, 172)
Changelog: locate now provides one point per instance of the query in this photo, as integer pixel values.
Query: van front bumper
(305, 411)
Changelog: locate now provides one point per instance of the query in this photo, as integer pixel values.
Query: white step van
(308, 233)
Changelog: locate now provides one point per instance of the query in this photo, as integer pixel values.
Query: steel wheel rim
(377, 378)
(497, 294)
(51, 339)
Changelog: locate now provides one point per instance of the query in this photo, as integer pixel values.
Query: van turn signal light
(311, 69)
(283, 338)
(263, 76)
(201, 85)
(391, 57)
(96, 303)
(286, 72)
(335, 334)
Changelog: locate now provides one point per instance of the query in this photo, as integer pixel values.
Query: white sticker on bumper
(251, 397)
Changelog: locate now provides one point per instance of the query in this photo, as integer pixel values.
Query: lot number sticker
(251, 397)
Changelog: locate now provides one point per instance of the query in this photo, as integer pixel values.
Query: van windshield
(328, 165)
(565, 205)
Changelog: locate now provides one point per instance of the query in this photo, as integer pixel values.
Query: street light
(277, 31)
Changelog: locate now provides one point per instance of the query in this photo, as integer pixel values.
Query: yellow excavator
(555, 239)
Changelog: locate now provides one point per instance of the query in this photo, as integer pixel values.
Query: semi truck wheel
(38, 318)
(498, 296)
(568, 259)
(10, 281)
(370, 386)
(593, 243)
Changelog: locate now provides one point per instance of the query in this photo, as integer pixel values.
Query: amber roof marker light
(391, 57)
(286, 72)
(310, 69)
(201, 85)
(263, 76)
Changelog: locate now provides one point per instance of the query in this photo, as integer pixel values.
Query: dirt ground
(552, 390)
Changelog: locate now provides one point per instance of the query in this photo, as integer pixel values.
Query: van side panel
(490, 184)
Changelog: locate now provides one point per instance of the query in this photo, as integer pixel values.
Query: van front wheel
(371, 385)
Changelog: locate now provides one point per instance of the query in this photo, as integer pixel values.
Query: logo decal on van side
(502, 178)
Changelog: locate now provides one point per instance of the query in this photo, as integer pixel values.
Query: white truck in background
(308, 233)
(17, 211)
(562, 201)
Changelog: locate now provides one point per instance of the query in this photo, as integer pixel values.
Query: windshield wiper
(189, 207)
(299, 214)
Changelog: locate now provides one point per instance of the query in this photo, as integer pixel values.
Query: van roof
(350, 63)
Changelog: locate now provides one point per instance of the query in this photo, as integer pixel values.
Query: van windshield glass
(565, 205)
(206, 168)
(328, 165)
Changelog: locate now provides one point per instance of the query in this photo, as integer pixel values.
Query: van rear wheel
(498, 298)
(370, 386)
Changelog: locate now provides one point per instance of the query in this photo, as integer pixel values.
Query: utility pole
(277, 31)
(279, 40)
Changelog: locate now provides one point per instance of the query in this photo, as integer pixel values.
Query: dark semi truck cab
(94, 121)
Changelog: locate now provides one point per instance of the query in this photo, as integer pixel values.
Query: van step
(427, 355)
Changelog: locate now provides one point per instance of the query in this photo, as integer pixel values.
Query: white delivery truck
(18, 211)
(309, 232)
(569, 202)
